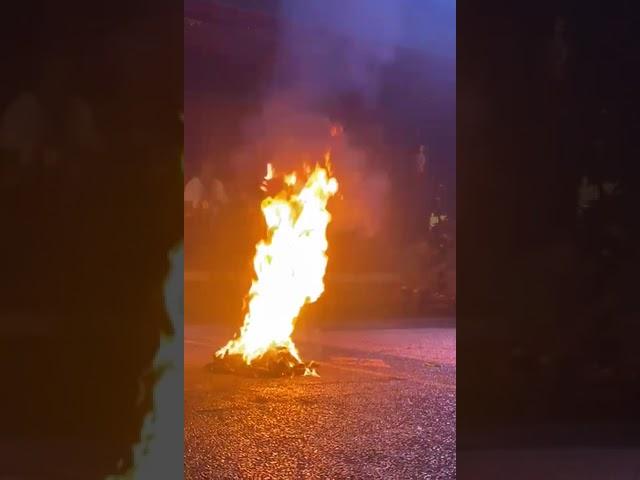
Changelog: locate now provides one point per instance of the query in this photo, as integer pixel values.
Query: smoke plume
(328, 49)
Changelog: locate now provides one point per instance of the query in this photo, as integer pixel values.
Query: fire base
(273, 364)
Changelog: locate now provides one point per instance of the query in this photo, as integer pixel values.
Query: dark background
(86, 241)
(547, 309)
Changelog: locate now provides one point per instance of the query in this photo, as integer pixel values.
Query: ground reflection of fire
(290, 265)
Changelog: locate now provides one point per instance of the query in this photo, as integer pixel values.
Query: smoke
(337, 46)
(287, 135)
(329, 49)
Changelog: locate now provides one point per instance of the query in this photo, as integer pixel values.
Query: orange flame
(291, 179)
(289, 264)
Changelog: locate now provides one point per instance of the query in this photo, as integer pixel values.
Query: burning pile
(275, 362)
(289, 265)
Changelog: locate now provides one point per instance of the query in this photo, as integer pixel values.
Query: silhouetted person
(215, 194)
(420, 178)
(42, 125)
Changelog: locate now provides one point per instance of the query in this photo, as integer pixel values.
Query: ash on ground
(277, 362)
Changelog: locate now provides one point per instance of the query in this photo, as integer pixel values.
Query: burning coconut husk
(290, 265)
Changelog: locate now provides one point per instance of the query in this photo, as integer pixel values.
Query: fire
(291, 179)
(268, 176)
(289, 264)
(270, 172)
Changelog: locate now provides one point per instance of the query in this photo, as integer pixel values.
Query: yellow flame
(289, 265)
(268, 176)
(291, 179)
(270, 172)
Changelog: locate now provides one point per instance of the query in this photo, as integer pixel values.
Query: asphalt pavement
(383, 407)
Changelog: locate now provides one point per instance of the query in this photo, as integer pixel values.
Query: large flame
(289, 263)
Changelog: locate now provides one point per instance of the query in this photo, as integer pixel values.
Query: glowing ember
(289, 264)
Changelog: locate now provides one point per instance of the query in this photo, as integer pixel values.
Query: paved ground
(384, 407)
